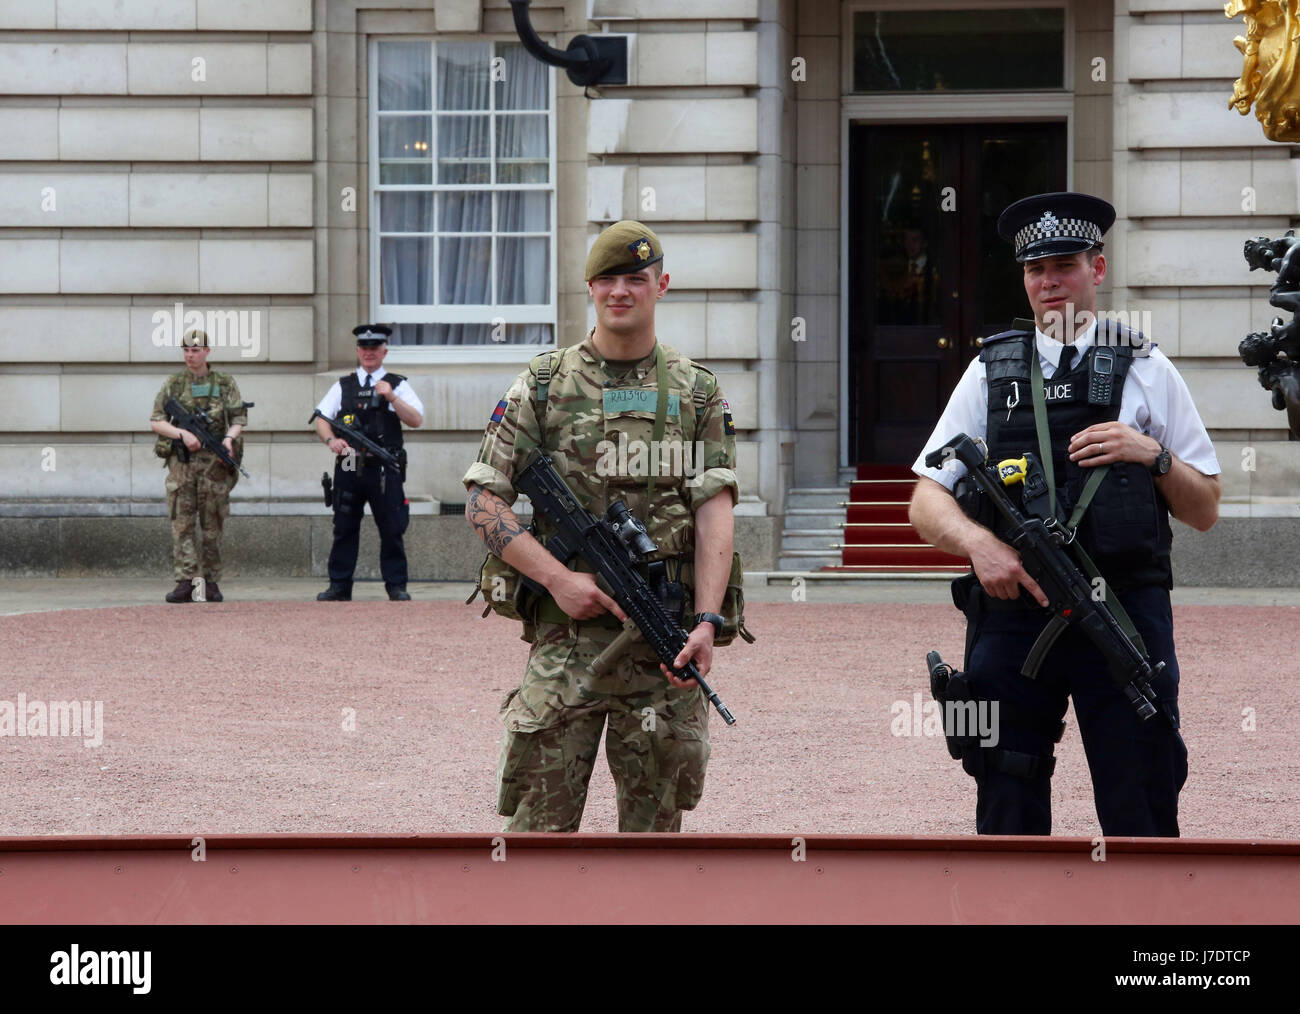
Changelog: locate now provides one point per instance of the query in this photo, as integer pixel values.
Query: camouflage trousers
(198, 496)
(656, 743)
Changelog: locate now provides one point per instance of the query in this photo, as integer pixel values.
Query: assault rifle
(1043, 542)
(199, 423)
(359, 441)
(612, 545)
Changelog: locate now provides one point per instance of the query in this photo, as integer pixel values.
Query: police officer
(597, 407)
(376, 402)
(198, 483)
(1111, 402)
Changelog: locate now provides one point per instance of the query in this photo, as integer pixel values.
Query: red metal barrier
(607, 878)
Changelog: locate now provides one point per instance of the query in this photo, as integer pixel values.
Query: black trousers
(1137, 767)
(382, 490)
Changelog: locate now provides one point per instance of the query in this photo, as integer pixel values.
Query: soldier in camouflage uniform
(598, 420)
(198, 490)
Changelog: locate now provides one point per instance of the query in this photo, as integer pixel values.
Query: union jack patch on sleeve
(499, 413)
(728, 427)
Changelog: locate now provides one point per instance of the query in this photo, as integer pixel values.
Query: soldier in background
(376, 402)
(198, 490)
(579, 404)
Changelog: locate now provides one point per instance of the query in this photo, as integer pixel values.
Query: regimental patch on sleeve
(728, 427)
(499, 412)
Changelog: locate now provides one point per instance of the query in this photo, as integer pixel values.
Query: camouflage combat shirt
(223, 403)
(602, 425)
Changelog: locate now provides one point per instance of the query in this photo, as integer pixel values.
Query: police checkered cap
(372, 334)
(1049, 225)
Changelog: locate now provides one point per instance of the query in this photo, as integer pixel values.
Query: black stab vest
(1125, 530)
(379, 424)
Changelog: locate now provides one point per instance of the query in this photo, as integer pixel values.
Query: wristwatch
(1164, 461)
(713, 618)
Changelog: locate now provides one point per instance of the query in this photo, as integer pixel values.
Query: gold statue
(1268, 75)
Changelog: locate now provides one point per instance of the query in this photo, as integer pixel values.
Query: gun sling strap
(1085, 498)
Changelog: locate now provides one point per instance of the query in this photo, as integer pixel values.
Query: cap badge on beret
(640, 249)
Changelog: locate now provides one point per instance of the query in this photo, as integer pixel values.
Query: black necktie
(367, 383)
(1067, 359)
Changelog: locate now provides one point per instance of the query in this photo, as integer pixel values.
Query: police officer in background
(1109, 403)
(376, 402)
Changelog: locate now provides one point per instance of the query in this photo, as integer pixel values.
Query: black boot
(212, 592)
(338, 591)
(183, 592)
(397, 593)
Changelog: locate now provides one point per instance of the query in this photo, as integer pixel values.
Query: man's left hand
(1109, 442)
(698, 646)
(229, 444)
(384, 389)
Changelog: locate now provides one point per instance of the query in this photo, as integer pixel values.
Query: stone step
(827, 499)
(807, 559)
(812, 517)
(822, 543)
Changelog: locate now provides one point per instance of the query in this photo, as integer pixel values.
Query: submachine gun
(1046, 546)
(199, 423)
(614, 546)
(358, 441)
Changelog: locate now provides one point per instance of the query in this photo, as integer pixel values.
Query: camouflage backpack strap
(699, 395)
(544, 367)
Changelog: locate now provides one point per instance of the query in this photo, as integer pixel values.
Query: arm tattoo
(494, 522)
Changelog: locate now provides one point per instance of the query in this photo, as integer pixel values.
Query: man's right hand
(338, 445)
(580, 596)
(192, 442)
(1001, 572)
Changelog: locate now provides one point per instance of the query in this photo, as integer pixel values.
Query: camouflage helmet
(623, 248)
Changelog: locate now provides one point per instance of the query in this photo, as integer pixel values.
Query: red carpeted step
(867, 513)
(899, 554)
(882, 490)
(882, 534)
(868, 470)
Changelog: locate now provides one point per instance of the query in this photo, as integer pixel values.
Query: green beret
(195, 338)
(623, 248)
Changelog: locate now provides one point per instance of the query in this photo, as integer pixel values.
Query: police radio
(1101, 378)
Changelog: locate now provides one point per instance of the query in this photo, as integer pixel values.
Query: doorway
(928, 275)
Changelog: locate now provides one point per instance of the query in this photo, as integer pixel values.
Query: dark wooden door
(928, 274)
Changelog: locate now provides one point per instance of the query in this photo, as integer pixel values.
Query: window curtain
(456, 95)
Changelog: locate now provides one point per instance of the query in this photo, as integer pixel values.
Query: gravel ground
(231, 717)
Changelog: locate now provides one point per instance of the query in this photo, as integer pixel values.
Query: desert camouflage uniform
(657, 742)
(200, 488)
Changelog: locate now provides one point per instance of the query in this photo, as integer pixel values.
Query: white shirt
(1155, 401)
(333, 400)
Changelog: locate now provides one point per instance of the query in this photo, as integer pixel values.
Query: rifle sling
(1085, 499)
(661, 412)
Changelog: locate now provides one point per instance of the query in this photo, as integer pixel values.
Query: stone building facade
(159, 157)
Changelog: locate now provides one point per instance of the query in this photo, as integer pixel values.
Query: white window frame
(408, 314)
